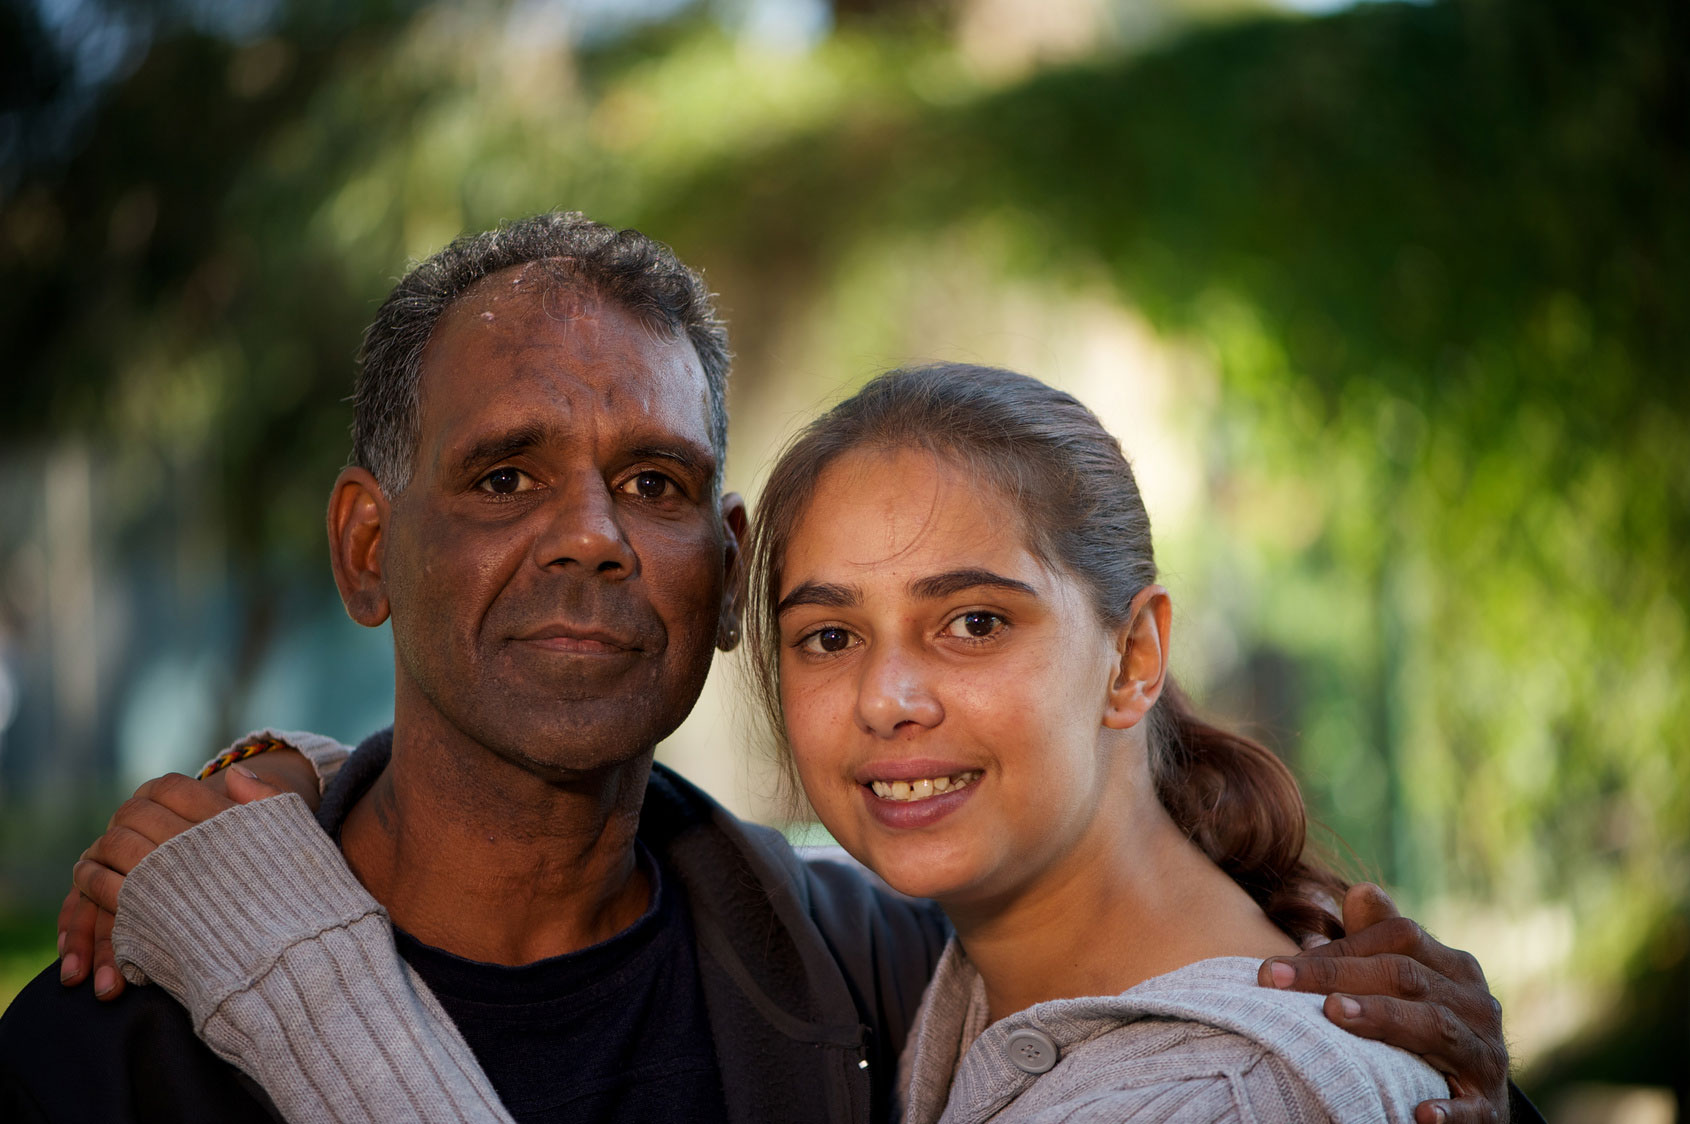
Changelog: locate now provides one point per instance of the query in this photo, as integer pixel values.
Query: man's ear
(735, 524)
(358, 515)
(1141, 645)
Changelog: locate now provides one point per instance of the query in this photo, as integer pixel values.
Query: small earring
(728, 637)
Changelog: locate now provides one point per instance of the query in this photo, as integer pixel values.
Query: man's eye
(505, 481)
(828, 640)
(649, 485)
(976, 625)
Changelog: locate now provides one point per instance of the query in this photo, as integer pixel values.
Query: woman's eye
(505, 481)
(828, 640)
(977, 625)
(649, 485)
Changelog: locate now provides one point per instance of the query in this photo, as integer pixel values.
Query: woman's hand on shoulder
(161, 809)
(1390, 980)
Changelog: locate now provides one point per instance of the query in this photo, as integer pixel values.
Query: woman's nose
(895, 693)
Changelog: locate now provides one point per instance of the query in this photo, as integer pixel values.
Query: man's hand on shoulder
(1389, 980)
(161, 809)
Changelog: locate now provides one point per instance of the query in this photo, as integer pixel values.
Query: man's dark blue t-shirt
(614, 1032)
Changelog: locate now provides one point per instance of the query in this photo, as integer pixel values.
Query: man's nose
(582, 529)
(895, 692)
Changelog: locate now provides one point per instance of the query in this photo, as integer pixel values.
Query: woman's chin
(922, 877)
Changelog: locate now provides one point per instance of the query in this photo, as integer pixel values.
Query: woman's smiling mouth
(923, 788)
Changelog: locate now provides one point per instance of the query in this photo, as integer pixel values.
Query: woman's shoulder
(1208, 1039)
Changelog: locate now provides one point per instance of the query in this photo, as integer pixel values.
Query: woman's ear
(734, 525)
(1142, 647)
(358, 514)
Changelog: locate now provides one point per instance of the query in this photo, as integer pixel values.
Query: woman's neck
(1137, 902)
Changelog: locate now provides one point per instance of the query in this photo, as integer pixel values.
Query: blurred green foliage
(1437, 253)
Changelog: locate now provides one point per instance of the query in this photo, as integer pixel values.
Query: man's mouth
(924, 788)
(584, 639)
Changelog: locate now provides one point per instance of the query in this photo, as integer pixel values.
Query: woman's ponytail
(1240, 804)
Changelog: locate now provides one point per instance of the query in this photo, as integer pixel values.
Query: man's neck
(474, 854)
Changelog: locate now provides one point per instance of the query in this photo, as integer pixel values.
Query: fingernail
(1282, 973)
(1349, 1007)
(68, 966)
(1440, 1112)
(244, 771)
(104, 980)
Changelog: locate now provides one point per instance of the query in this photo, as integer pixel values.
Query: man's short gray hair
(640, 274)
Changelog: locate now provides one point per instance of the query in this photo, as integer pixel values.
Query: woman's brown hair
(1080, 510)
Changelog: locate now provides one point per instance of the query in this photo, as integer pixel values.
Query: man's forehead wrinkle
(596, 374)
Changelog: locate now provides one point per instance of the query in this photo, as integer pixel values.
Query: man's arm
(1390, 980)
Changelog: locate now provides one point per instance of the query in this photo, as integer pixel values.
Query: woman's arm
(244, 911)
(304, 764)
(285, 963)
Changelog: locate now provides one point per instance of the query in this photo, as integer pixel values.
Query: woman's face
(945, 693)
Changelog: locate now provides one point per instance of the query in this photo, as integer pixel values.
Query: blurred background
(1385, 300)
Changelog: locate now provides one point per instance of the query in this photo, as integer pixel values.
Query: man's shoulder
(66, 1056)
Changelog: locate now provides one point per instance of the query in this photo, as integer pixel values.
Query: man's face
(555, 569)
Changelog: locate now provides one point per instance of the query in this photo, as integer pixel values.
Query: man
(534, 502)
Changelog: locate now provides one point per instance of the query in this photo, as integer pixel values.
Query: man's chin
(577, 764)
(581, 743)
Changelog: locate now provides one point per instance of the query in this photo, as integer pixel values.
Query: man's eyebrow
(956, 581)
(825, 594)
(500, 446)
(687, 454)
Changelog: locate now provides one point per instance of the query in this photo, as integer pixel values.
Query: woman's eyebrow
(953, 582)
(825, 594)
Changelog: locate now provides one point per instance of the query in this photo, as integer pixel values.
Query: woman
(956, 628)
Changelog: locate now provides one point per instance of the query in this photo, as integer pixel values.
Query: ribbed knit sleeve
(287, 968)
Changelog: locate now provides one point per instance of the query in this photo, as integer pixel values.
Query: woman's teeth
(923, 789)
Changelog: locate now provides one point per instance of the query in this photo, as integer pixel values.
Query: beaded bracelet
(240, 751)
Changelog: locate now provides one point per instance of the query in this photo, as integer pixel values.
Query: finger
(289, 771)
(245, 786)
(217, 782)
(1445, 1042)
(1385, 974)
(192, 800)
(1391, 976)
(1462, 1110)
(1401, 936)
(121, 848)
(108, 981)
(100, 884)
(76, 938)
(1365, 905)
(67, 910)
